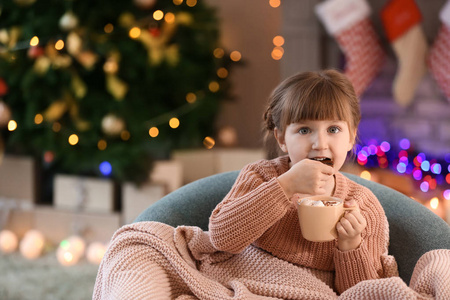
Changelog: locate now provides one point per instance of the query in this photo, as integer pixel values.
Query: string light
(12, 125)
(209, 142)
(191, 97)
(73, 139)
(56, 127)
(38, 119)
(434, 203)
(108, 28)
(191, 3)
(222, 73)
(105, 168)
(366, 175)
(174, 123)
(235, 56)
(274, 3)
(177, 2)
(218, 53)
(277, 53)
(278, 41)
(34, 41)
(125, 135)
(102, 145)
(213, 86)
(158, 15)
(169, 18)
(59, 45)
(8, 241)
(134, 32)
(153, 132)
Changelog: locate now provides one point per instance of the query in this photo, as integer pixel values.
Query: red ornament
(155, 32)
(35, 51)
(3, 87)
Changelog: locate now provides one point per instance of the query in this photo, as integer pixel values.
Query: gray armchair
(414, 229)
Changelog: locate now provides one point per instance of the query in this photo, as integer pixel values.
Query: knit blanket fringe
(151, 260)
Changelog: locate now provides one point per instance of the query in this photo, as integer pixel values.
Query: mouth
(324, 160)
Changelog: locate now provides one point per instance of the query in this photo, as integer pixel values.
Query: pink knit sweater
(256, 211)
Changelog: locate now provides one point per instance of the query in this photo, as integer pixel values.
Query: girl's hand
(307, 177)
(350, 227)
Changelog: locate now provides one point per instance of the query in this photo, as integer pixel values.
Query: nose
(319, 141)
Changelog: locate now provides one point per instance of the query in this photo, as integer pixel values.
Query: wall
(249, 27)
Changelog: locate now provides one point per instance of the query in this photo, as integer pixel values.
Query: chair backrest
(414, 229)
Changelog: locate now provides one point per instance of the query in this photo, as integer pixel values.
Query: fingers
(352, 224)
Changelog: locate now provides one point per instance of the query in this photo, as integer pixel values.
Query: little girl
(314, 117)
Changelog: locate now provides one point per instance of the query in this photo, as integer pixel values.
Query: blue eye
(304, 130)
(334, 129)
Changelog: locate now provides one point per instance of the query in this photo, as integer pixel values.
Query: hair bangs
(320, 102)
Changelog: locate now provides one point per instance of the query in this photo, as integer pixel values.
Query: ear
(351, 143)
(280, 139)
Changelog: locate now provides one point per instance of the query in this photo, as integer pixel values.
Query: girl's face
(317, 140)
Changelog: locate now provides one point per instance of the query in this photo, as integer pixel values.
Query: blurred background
(107, 107)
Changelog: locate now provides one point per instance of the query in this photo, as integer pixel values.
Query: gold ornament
(68, 21)
(156, 44)
(74, 44)
(56, 110)
(87, 59)
(144, 4)
(126, 20)
(24, 2)
(116, 87)
(112, 125)
(79, 88)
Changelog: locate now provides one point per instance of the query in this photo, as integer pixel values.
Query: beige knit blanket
(151, 260)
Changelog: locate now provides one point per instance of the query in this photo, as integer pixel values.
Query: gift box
(202, 162)
(135, 199)
(168, 173)
(84, 194)
(17, 178)
(58, 224)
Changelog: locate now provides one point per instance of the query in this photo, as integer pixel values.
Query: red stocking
(439, 59)
(348, 21)
(402, 23)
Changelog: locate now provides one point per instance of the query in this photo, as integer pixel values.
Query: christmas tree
(97, 87)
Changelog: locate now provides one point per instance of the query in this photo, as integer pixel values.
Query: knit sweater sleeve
(255, 202)
(368, 260)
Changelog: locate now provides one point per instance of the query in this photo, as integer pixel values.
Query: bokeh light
(105, 168)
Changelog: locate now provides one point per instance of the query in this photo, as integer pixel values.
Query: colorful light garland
(429, 173)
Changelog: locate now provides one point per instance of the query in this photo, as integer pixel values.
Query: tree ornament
(35, 51)
(74, 44)
(348, 21)
(116, 87)
(5, 114)
(112, 125)
(402, 23)
(24, 2)
(439, 60)
(87, 59)
(156, 43)
(3, 87)
(144, 4)
(68, 21)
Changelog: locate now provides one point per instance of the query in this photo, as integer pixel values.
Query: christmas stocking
(439, 59)
(348, 21)
(402, 23)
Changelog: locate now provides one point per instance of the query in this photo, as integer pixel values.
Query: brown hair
(321, 95)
